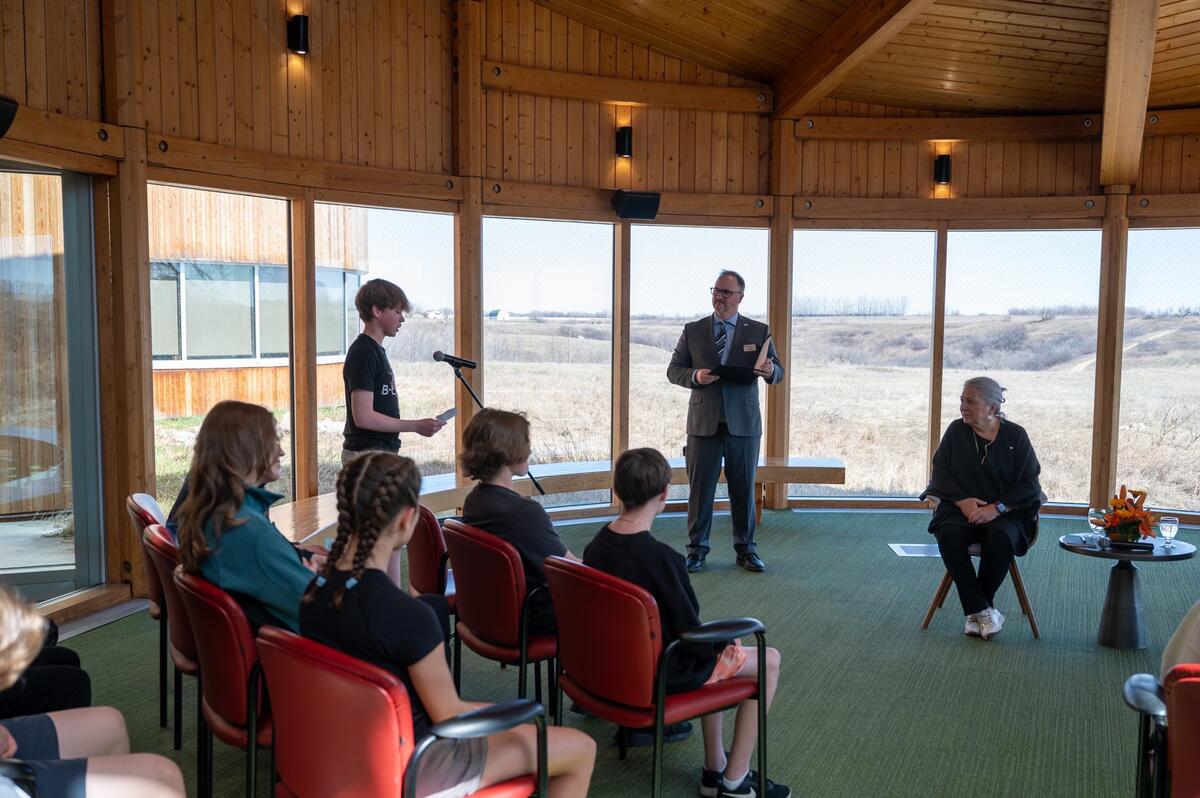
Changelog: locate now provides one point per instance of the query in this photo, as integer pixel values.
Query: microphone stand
(458, 373)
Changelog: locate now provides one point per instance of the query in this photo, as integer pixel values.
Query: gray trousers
(704, 456)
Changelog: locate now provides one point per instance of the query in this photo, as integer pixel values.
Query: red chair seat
(540, 647)
(680, 706)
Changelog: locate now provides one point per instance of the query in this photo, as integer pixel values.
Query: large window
(219, 318)
(671, 270)
(416, 252)
(547, 300)
(860, 358)
(1159, 439)
(1021, 308)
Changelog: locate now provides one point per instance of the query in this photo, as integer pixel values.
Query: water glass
(1168, 526)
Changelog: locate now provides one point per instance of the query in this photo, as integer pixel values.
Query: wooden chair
(1014, 571)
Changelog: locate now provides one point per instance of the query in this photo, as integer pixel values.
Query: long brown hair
(236, 439)
(22, 631)
(372, 490)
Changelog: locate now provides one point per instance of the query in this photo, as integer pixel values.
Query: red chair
(162, 552)
(493, 606)
(233, 705)
(345, 727)
(1168, 731)
(612, 662)
(143, 512)
(428, 561)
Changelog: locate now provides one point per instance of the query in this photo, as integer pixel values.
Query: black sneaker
(640, 738)
(749, 788)
(710, 782)
(695, 562)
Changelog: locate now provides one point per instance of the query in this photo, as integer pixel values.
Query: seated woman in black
(495, 449)
(353, 606)
(626, 549)
(985, 474)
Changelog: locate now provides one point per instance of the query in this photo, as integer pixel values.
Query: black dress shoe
(751, 562)
(695, 562)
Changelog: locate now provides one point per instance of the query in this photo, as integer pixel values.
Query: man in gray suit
(723, 418)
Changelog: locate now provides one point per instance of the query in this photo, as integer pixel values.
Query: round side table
(1121, 624)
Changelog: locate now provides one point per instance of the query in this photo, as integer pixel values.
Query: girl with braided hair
(353, 606)
(75, 752)
(224, 532)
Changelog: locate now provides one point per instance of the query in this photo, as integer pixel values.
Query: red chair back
(162, 552)
(489, 583)
(345, 727)
(144, 512)
(1181, 689)
(227, 654)
(426, 555)
(613, 654)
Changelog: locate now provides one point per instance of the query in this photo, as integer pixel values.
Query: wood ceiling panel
(1175, 77)
(1000, 51)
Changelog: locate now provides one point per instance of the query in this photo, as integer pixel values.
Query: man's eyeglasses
(723, 292)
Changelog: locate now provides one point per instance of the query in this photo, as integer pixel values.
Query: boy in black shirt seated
(353, 606)
(495, 449)
(626, 549)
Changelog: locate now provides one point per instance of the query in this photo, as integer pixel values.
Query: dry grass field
(859, 392)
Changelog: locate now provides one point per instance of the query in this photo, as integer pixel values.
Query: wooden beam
(304, 345)
(782, 177)
(468, 89)
(82, 603)
(41, 155)
(979, 128)
(1164, 206)
(598, 89)
(1131, 29)
(193, 156)
(125, 363)
(622, 232)
(779, 317)
(934, 210)
(468, 299)
(63, 132)
(1110, 336)
(598, 201)
(937, 342)
(861, 30)
(122, 52)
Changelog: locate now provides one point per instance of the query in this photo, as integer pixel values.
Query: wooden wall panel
(1170, 165)
(880, 169)
(190, 224)
(50, 56)
(374, 89)
(570, 142)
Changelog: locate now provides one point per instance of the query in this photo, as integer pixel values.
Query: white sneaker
(972, 627)
(990, 623)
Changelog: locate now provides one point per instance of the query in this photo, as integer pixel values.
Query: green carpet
(868, 703)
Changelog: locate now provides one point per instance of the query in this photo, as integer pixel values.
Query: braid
(345, 527)
(378, 516)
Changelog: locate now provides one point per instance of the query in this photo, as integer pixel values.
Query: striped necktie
(720, 342)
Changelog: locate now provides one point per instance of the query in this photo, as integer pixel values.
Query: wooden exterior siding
(193, 391)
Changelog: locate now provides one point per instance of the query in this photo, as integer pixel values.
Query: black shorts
(37, 746)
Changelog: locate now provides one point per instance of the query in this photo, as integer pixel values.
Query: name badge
(749, 347)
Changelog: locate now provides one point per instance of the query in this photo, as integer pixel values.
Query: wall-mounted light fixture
(8, 112)
(625, 142)
(941, 170)
(297, 34)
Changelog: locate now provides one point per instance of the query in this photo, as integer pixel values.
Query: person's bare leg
(570, 756)
(90, 732)
(143, 775)
(745, 724)
(714, 742)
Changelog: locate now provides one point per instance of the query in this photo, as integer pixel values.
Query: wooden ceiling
(981, 56)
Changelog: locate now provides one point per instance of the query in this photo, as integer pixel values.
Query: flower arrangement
(1127, 517)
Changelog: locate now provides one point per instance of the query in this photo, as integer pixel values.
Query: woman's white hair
(989, 391)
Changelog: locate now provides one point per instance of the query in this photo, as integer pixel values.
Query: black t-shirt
(367, 369)
(378, 623)
(655, 566)
(523, 523)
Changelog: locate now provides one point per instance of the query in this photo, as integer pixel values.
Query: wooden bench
(301, 520)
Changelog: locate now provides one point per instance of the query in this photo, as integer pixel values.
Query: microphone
(457, 362)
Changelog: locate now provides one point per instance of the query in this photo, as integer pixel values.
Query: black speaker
(635, 204)
(8, 112)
